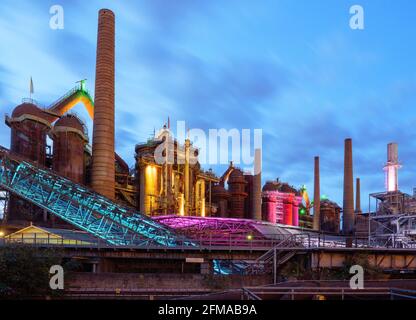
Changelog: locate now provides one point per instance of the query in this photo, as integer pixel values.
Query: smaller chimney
(348, 204)
(256, 200)
(316, 198)
(358, 196)
(186, 177)
(392, 168)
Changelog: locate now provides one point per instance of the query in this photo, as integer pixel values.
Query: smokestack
(186, 176)
(316, 198)
(392, 168)
(103, 168)
(348, 205)
(358, 196)
(256, 214)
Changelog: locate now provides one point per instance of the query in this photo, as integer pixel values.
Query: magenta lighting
(218, 231)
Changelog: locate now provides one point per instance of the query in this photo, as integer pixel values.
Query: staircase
(265, 263)
(69, 99)
(83, 208)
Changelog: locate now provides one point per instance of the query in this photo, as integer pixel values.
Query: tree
(24, 271)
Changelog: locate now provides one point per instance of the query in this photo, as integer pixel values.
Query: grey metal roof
(71, 234)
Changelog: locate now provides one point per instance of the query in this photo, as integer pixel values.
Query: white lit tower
(392, 167)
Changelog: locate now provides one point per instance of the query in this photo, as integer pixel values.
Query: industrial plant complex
(170, 229)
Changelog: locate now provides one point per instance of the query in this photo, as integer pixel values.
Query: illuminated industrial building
(394, 220)
(71, 156)
(173, 183)
(330, 216)
(242, 198)
(168, 201)
(172, 187)
(281, 203)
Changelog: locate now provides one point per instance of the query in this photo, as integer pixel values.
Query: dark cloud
(168, 16)
(212, 83)
(228, 94)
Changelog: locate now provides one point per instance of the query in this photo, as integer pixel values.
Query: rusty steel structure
(237, 183)
(81, 206)
(154, 188)
(330, 214)
(29, 127)
(69, 137)
(175, 183)
(103, 161)
(220, 197)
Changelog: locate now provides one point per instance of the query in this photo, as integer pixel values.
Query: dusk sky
(293, 68)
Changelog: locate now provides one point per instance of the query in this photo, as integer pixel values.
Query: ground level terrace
(198, 259)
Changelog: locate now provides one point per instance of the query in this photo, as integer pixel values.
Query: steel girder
(81, 207)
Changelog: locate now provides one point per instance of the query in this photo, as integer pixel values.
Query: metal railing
(76, 238)
(398, 293)
(32, 101)
(281, 243)
(81, 206)
(315, 293)
(64, 97)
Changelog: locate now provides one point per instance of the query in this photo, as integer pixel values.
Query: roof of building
(27, 108)
(63, 233)
(218, 189)
(70, 120)
(72, 234)
(280, 186)
(329, 203)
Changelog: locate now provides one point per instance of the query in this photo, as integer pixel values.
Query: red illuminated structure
(281, 203)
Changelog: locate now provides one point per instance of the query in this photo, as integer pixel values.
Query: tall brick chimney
(256, 214)
(358, 196)
(103, 167)
(316, 197)
(348, 205)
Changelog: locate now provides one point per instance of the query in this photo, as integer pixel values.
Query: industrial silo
(69, 139)
(29, 126)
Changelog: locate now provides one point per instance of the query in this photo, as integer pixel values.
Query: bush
(24, 271)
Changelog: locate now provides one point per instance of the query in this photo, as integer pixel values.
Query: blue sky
(293, 68)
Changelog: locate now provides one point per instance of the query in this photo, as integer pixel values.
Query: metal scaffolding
(80, 206)
(393, 224)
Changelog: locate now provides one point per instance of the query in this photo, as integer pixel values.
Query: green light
(302, 211)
